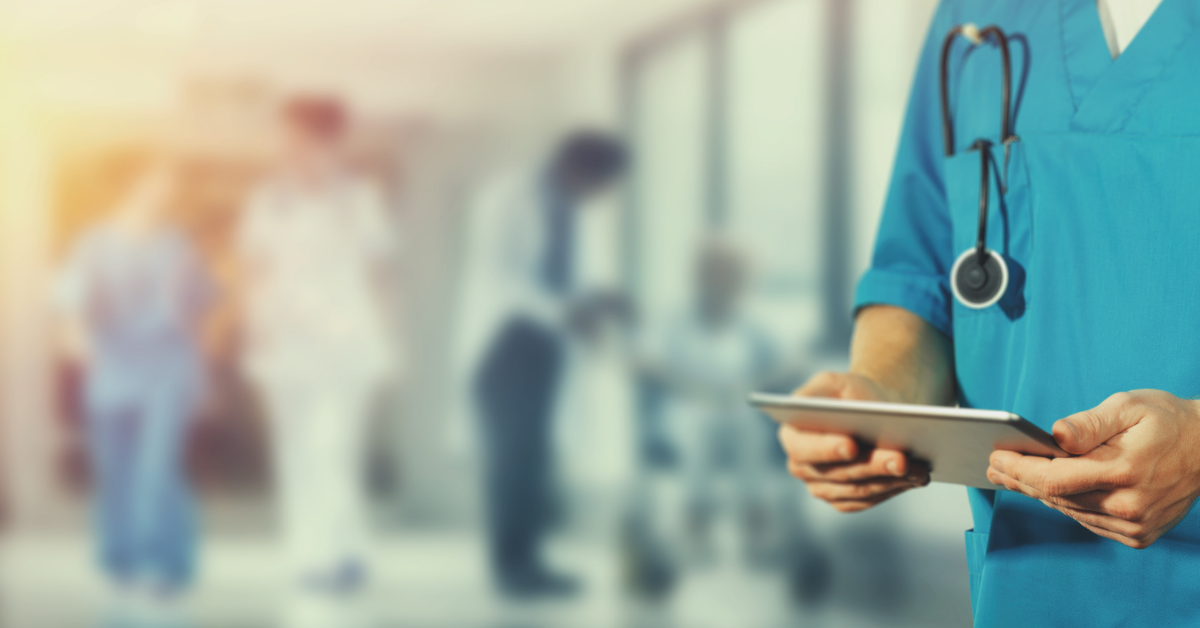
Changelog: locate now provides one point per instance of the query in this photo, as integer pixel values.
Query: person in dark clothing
(524, 310)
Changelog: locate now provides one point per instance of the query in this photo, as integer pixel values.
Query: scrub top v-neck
(1095, 206)
(1122, 19)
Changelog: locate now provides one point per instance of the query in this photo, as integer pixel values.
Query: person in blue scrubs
(1095, 209)
(705, 359)
(133, 293)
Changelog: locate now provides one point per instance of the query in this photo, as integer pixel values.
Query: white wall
(27, 436)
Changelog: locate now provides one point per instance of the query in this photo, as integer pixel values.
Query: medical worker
(520, 312)
(316, 250)
(1093, 199)
(133, 294)
(708, 358)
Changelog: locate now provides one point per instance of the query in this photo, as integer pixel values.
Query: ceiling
(439, 59)
(480, 26)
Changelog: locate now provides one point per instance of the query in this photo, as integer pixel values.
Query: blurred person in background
(133, 295)
(316, 248)
(707, 358)
(521, 312)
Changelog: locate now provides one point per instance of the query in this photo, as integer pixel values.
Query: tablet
(956, 442)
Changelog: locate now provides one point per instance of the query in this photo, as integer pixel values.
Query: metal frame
(835, 259)
(714, 21)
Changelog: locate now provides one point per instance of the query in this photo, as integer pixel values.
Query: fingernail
(1074, 430)
(844, 452)
(893, 467)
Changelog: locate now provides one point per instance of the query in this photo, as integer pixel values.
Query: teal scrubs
(1100, 226)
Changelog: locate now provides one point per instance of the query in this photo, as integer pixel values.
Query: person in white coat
(315, 247)
(519, 310)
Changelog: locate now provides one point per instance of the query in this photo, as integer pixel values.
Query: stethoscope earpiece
(979, 281)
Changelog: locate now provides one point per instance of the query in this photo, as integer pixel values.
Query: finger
(1131, 530)
(1107, 522)
(1122, 504)
(860, 505)
(849, 472)
(816, 447)
(1092, 521)
(857, 491)
(1102, 502)
(996, 477)
(1017, 486)
(893, 462)
(1059, 476)
(872, 463)
(917, 471)
(1084, 431)
(1108, 534)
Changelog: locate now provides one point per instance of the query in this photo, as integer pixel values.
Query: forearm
(904, 354)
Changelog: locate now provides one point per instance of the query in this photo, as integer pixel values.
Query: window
(726, 116)
(775, 138)
(670, 142)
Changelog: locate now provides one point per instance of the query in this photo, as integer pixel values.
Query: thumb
(1084, 431)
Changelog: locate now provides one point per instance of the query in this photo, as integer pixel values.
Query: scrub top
(1096, 210)
(716, 430)
(142, 299)
(716, 367)
(314, 260)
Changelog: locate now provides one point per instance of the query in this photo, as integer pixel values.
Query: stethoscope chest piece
(979, 280)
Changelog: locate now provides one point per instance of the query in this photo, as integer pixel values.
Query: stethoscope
(979, 276)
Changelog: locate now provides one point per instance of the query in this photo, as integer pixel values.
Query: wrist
(883, 390)
(907, 358)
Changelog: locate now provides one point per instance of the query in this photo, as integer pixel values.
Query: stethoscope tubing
(981, 235)
(976, 37)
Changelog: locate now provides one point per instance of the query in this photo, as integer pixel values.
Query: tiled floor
(437, 580)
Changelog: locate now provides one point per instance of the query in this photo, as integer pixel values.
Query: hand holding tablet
(838, 469)
(954, 442)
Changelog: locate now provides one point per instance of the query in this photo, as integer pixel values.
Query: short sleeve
(913, 247)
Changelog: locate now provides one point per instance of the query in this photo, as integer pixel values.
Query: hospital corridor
(443, 314)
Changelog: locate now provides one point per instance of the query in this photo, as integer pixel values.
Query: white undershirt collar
(1122, 19)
